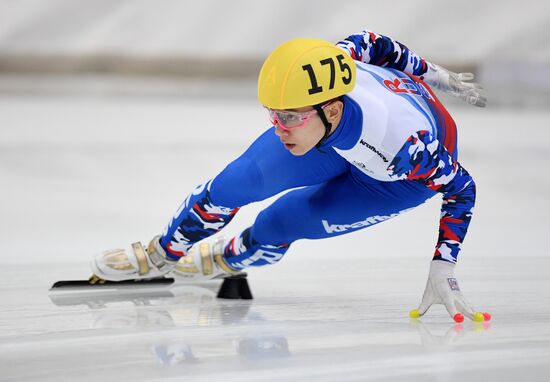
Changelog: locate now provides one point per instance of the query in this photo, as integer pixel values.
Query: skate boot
(205, 261)
(135, 263)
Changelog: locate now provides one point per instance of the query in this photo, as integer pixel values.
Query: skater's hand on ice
(459, 85)
(442, 288)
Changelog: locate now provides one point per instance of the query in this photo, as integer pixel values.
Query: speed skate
(140, 267)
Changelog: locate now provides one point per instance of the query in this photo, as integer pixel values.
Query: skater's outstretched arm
(423, 159)
(380, 50)
(376, 49)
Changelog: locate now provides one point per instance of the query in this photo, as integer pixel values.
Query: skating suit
(394, 148)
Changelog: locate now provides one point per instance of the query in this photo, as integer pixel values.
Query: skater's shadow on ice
(180, 306)
(250, 347)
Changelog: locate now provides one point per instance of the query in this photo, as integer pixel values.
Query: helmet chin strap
(328, 126)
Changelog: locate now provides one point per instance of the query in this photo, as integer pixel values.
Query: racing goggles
(289, 120)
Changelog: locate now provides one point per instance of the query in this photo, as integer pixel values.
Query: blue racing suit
(394, 148)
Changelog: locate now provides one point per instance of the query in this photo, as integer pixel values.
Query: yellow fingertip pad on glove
(479, 317)
(414, 313)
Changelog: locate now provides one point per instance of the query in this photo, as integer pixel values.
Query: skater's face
(307, 131)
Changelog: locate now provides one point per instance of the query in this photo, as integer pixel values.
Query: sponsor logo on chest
(374, 149)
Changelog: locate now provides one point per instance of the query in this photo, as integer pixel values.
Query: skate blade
(95, 283)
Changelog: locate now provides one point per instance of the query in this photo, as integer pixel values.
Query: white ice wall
(445, 31)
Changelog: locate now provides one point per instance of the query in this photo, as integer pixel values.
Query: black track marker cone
(235, 287)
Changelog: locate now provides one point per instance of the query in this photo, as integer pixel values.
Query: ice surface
(79, 175)
(340, 321)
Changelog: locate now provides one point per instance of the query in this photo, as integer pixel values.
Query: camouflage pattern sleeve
(423, 159)
(379, 50)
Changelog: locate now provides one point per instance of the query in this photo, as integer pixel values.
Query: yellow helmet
(305, 72)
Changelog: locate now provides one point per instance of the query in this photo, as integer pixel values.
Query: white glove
(442, 288)
(456, 85)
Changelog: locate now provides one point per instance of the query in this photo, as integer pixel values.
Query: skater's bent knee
(240, 183)
(269, 228)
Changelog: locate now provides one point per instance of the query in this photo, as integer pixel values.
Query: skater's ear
(334, 110)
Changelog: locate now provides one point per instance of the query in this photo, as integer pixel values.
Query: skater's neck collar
(348, 130)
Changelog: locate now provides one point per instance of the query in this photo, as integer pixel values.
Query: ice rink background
(95, 160)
